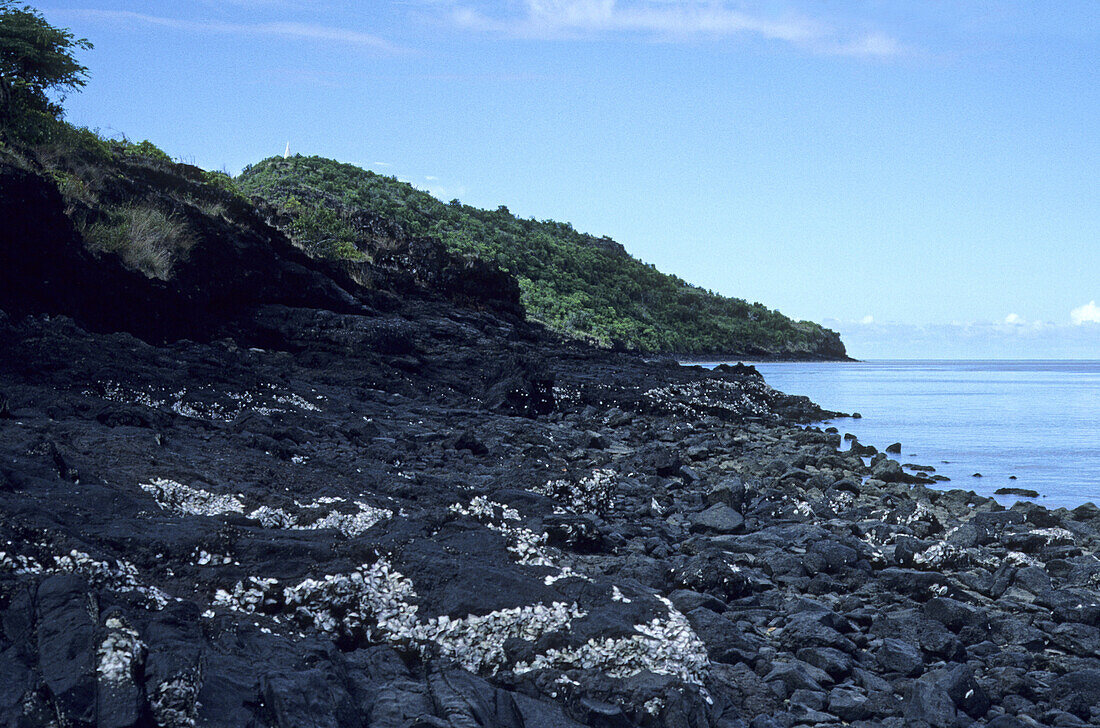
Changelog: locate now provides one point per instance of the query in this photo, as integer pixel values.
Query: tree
(35, 58)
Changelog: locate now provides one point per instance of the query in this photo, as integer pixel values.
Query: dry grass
(145, 238)
(215, 210)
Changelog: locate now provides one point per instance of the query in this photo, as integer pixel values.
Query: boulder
(954, 614)
(796, 675)
(848, 704)
(67, 647)
(929, 704)
(889, 471)
(967, 693)
(1078, 692)
(719, 518)
(1019, 492)
(899, 657)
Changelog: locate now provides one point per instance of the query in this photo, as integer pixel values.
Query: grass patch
(145, 238)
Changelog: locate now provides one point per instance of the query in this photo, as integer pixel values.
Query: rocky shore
(319, 502)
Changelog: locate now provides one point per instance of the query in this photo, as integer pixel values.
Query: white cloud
(967, 340)
(302, 31)
(446, 193)
(1087, 314)
(867, 320)
(257, 4)
(431, 178)
(872, 44)
(1014, 319)
(662, 20)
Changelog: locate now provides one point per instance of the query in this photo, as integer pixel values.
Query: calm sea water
(1037, 420)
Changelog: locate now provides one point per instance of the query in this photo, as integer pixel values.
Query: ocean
(1036, 420)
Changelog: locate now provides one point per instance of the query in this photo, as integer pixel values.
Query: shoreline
(701, 359)
(1017, 424)
(740, 564)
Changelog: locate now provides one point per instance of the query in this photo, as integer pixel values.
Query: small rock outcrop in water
(1021, 492)
(322, 503)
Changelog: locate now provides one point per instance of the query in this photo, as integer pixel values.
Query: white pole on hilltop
(287, 152)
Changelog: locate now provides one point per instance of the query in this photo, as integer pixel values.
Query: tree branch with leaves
(36, 59)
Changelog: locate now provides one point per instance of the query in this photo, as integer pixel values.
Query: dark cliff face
(270, 491)
(235, 262)
(47, 268)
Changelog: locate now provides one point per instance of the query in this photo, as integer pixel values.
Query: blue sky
(920, 175)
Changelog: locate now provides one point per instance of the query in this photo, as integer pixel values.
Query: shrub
(145, 149)
(60, 144)
(81, 139)
(322, 231)
(223, 182)
(71, 187)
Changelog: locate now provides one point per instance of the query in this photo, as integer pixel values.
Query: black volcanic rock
(719, 518)
(926, 703)
(322, 503)
(1021, 492)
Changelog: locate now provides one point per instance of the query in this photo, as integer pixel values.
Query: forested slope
(581, 285)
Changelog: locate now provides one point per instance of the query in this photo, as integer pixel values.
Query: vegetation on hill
(578, 284)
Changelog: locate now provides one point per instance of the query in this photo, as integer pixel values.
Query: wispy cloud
(446, 193)
(1013, 337)
(311, 77)
(669, 21)
(872, 44)
(1087, 314)
(294, 30)
(255, 4)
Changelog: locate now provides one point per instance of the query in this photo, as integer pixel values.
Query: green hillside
(578, 284)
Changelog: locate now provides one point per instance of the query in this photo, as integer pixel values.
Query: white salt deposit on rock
(205, 405)
(179, 498)
(119, 652)
(699, 397)
(174, 702)
(349, 524)
(591, 494)
(380, 602)
(20, 564)
(121, 576)
(173, 496)
(665, 646)
(247, 597)
(528, 546)
(375, 598)
(477, 641)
